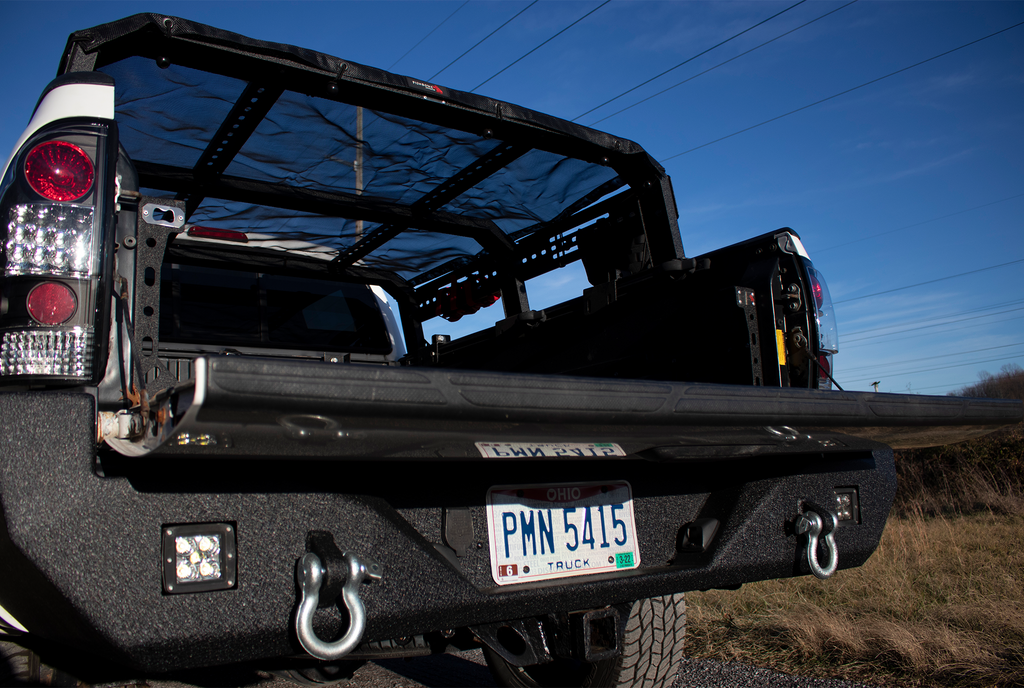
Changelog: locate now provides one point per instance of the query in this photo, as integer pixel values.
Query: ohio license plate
(540, 532)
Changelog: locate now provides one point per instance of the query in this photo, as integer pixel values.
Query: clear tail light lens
(825, 323)
(50, 239)
(64, 353)
(59, 171)
(824, 314)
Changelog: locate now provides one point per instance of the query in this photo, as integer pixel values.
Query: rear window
(200, 305)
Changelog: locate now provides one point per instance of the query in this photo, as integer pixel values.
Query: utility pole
(358, 165)
(875, 384)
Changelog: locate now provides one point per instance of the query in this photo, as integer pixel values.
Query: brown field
(940, 603)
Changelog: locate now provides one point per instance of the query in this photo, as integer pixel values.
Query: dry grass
(986, 474)
(940, 603)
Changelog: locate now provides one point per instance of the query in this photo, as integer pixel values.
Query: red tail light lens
(819, 297)
(59, 171)
(824, 371)
(51, 303)
(826, 365)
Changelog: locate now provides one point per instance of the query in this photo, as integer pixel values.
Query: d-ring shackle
(811, 524)
(310, 573)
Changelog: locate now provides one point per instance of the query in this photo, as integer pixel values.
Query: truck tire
(651, 653)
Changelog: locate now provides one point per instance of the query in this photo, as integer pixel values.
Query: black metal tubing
(573, 216)
(551, 245)
(354, 412)
(172, 40)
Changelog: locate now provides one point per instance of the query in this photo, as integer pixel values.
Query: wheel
(652, 650)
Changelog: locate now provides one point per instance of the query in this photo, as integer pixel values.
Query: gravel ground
(468, 670)
(457, 670)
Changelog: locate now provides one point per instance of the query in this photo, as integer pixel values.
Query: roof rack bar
(445, 192)
(457, 268)
(329, 203)
(246, 114)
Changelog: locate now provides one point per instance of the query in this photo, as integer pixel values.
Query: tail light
(59, 171)
(51, 303)
(53, 326)
(464, 298)
(824, 371)
(825, 324)
(215, 233)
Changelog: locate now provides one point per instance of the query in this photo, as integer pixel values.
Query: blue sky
(913, 179)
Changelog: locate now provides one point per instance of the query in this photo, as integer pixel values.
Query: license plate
(540, 532)
(565, 450)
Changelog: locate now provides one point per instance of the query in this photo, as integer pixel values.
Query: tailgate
(251, 408)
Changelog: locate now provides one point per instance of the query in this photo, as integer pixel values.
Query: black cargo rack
(448, 193)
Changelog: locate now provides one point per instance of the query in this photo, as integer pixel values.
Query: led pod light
(847, 505)
(198, 558)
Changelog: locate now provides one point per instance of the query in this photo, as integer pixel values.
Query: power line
(915, 336)
(841, 93)
(917, 224)
(961, 385)
(691, 59)
(720, 64)
(928, 370)
(940, 279)
(542, 44)
(482, 40)
(927, 327)
(875, 366)
(931, 319)
(428, 35)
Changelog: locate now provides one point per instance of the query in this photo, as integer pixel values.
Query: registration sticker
(565, 450)
(540, 532)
